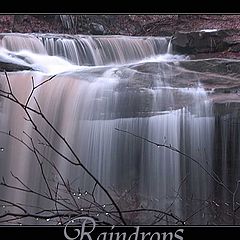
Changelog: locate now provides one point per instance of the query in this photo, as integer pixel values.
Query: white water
(88, 50)
(86, 103)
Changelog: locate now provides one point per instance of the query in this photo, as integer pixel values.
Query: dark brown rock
(201, 41)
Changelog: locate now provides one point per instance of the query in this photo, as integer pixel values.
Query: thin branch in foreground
(170, 147)
(10, 96)
(35, 87)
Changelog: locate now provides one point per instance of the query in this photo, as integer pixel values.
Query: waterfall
(104, 83)
(89, 50)
(169, 49)
(16, 42)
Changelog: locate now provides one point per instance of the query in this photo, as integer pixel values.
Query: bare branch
(170, 147)
(14, 205)
(35, 87)
(27, 111)
(40, 165)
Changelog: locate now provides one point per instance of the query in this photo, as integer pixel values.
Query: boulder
(96, 28)
(204, 41)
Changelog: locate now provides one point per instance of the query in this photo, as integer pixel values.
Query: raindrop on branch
(2, 149)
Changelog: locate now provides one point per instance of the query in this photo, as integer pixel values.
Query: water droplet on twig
(2, 149)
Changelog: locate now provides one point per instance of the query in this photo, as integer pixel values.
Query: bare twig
(170, 147)
(10, 96)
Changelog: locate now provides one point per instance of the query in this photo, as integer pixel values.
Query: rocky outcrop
(206, 41)
(221, 76)
(140, 85)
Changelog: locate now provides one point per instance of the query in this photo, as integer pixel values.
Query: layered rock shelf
(207, 43)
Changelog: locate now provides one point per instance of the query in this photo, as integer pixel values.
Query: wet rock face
(172, 85)
(12, 67)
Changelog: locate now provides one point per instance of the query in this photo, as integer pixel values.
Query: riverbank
(113, 24)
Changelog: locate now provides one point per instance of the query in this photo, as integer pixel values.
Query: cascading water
(128, 83)
(88, 50)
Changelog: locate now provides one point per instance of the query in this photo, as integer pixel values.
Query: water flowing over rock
(134, 84)
(88, 50)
